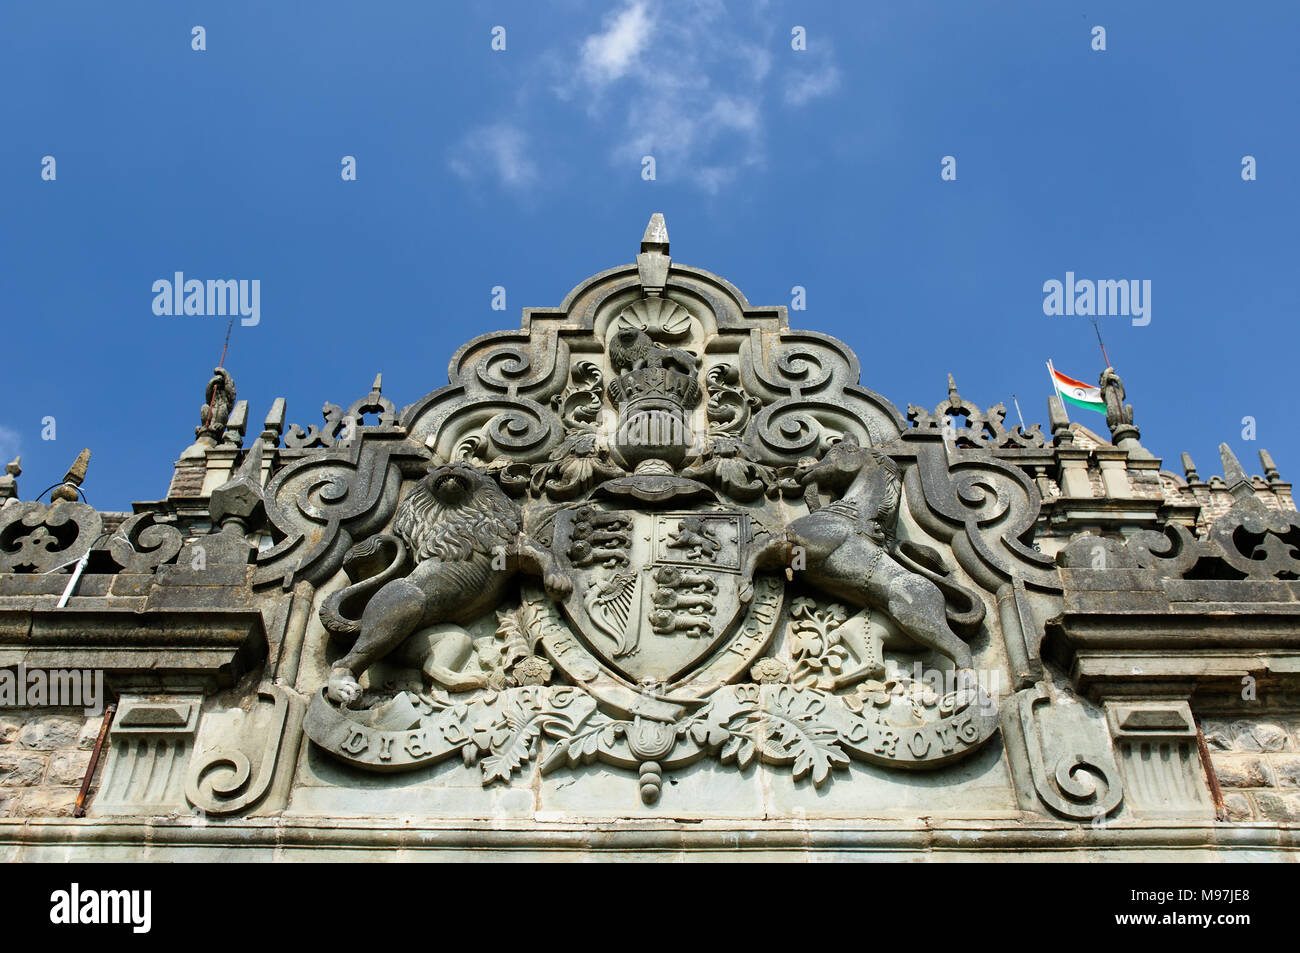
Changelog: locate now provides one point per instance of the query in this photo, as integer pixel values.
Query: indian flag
(1076, 392)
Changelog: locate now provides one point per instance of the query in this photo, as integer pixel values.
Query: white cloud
(684, 81)
(501, 148)
(611, 55)
(9, 445)
(681, 80)
(801, 86)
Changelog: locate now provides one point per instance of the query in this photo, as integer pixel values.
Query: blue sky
(522, 168)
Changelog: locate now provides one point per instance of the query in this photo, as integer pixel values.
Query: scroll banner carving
(813, 733)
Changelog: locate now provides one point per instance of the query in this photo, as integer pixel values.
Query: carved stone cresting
(969, 427)
(38, 538)
(1250, 541)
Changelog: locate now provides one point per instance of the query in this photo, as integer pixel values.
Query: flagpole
(1018, 413)
(227, 344)
(1104, 356)
(1051, 372)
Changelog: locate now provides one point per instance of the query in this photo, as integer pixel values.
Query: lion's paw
(558, 585)
(343, 688)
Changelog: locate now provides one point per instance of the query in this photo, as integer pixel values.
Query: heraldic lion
(455, 545)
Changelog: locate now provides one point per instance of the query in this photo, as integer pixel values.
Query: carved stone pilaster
(1160, 758)
(149, 754)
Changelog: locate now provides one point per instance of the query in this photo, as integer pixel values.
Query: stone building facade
(654, 575)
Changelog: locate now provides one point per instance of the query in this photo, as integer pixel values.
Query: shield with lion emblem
(655, 593)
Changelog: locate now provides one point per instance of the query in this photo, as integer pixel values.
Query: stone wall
(1258, 765)
(44, 754)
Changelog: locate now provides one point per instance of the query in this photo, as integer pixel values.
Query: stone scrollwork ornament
(39, 538)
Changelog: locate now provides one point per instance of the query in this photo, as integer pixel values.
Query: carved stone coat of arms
(652, 527)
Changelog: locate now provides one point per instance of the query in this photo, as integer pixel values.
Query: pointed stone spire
(377, 387)
(656, 234)
(1234, 476)
(952, 389)
(273, 427)
(233, 436)
(1189, 469)
(72, 479)
(238, 504)
(1059, 421)
(1270, 468)
(652, 264)
(9, 482)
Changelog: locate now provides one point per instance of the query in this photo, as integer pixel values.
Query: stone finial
(1059, 421)
(1270, 468)
(9, 482)
(73, 479)
(273, 426)
(952, 389)
(656, 234)
(238, 504)
(1239, 485)
(1189, 469)
(233, 437)
(652, 264)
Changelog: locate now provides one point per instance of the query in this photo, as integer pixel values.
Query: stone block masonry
(44, 754)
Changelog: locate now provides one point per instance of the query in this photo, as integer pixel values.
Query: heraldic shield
(656, 593)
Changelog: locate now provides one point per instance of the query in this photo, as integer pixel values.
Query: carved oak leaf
(740, 749)
(526, 714)
(511, 739)
(788, 729)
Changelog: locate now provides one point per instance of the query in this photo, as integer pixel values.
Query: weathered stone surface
(1271, 737)
(48, 802)
(1238, 807)
(44, 733)
(1241, 771)
(68, 767)
(9, 726)
(1286, 768)
(21, 770)
(1278, 807)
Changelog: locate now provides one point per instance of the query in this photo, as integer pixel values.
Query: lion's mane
(482, 521)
